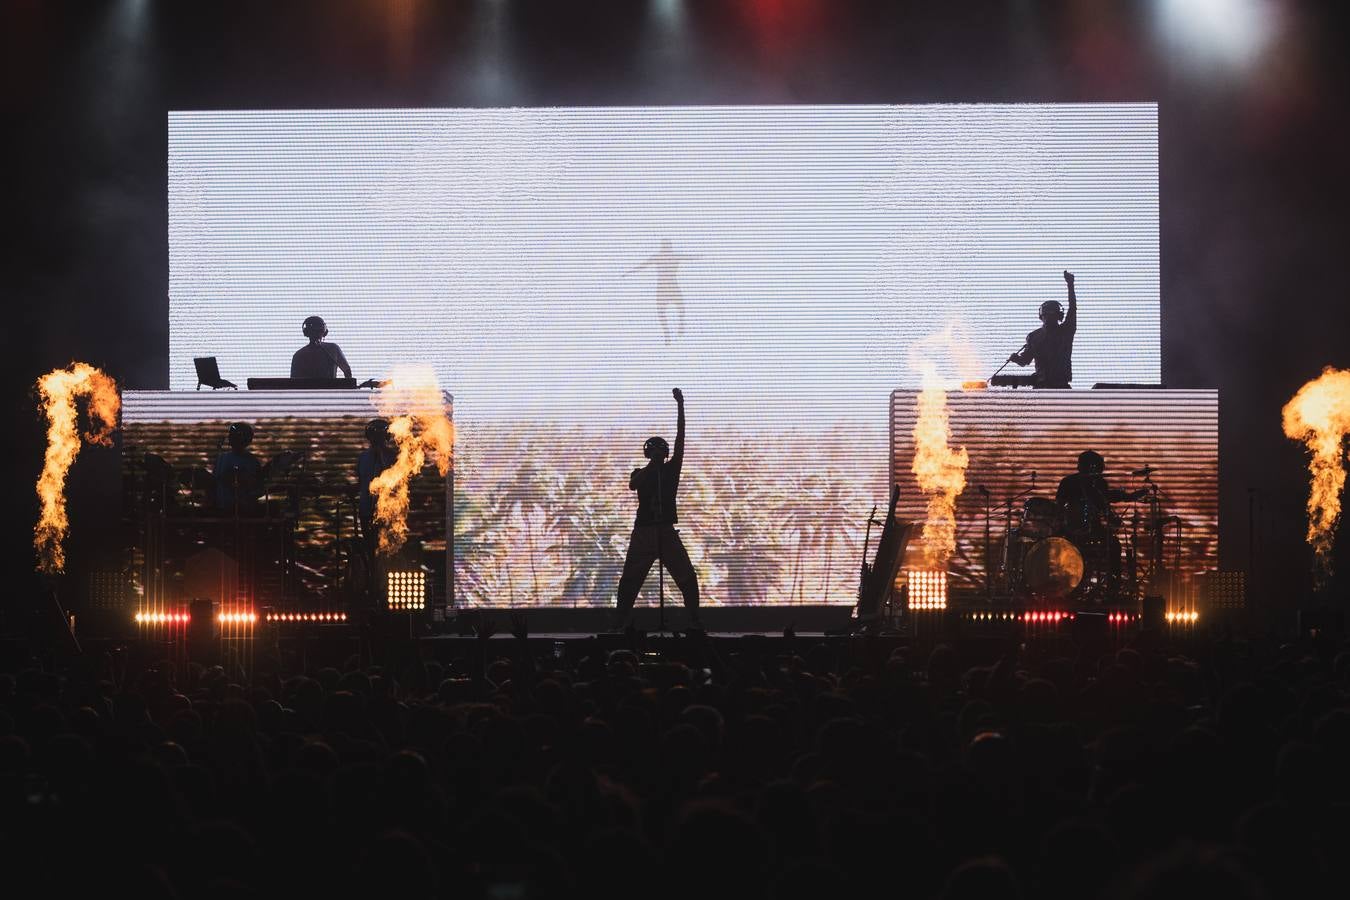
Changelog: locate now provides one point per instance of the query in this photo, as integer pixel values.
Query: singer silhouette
(654, 534)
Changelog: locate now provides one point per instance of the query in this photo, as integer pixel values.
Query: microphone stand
(1005, 363)
(660, 558)
(1007, 508)
(988, 555)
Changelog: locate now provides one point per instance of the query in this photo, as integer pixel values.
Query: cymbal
(1145, 471)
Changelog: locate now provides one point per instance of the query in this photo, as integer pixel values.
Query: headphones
(241, 432)
(377, 431)
(315, 327)
(656, 448)
(1049, 309)
(1091, 462)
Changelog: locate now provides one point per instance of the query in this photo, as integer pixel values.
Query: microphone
(982, 489)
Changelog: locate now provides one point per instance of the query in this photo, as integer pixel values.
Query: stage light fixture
(1228, 35)
(237, 617)
(107, 591)
(1045, 616)
(1224, 589)
(406, 591)
(927, 588)
(305, 618)
(161, 618)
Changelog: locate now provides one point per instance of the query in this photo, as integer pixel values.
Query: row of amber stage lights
(406, 592)
(1043, 617)
(927, 593)
(240, 618)
(1029, 617)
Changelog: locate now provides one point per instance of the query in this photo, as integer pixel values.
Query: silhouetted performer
(1051, 345)
(238, 473)
(667, 264)
(318, 359)
(654, 530)
(373, 460)
(1084, 500)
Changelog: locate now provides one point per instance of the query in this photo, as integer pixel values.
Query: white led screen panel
(562, 269)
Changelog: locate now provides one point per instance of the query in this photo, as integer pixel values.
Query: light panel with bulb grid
(1224, 589)
(108, 590)
(927, 588)
(406, 591)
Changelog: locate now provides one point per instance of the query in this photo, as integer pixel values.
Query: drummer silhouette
(1084, 499)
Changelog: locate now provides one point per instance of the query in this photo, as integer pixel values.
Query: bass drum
(1052, 568)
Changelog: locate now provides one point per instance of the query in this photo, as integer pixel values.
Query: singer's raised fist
(1068, 277)
(678, 395)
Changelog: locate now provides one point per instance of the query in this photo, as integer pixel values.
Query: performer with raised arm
(318, 359)
(654, 534)
(1050, 347)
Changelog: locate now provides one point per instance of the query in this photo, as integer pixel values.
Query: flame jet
(1319, 416)
(58, 393)
(413, 403)
(939, 470)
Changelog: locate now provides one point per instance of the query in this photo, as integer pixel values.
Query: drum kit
(179, 516)
(1053, 553)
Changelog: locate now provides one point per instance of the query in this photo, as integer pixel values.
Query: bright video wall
(563, 269)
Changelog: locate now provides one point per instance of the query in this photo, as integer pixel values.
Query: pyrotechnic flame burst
(1319, 416)
(413, 403)
(58, 392)
(939, 470)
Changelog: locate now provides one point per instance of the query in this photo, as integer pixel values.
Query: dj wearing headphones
(654, 534)
(238, 473)
(318, 359)
(1051, 345)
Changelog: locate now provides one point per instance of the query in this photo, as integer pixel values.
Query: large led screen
(563, 269)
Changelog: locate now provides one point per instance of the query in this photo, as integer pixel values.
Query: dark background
(1253, 154)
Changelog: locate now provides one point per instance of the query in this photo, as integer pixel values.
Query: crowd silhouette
(796, 769)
